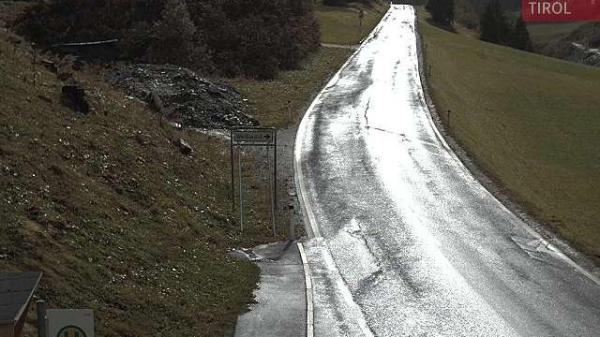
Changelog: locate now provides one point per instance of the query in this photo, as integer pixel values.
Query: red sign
(560, 10)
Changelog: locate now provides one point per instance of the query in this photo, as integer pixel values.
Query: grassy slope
(531, 121)
(116, 218)
(281, 102)
(341, 25)
(544, 33)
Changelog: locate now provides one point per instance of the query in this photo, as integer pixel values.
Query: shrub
(255, 38)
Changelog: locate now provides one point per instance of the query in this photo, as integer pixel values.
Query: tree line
(254, 38)
(494, 26)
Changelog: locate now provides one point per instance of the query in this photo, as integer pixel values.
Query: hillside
(117, 218)
(530, 121)
(581, 45)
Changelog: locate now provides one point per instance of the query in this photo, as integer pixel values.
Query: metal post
(41, 318)
(274, 178)
(271, 187)
(241, 191)
(232, 173)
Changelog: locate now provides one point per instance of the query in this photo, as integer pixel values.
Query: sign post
(261, 137)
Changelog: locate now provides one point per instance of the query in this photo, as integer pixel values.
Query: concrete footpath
(281, 298)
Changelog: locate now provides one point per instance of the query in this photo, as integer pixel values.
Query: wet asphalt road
(406, 241)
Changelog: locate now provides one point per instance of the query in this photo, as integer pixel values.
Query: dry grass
(113, 214)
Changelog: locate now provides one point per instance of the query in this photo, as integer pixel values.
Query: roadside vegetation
(341, 24)
(530, 121)
(281, 102)
(113, 213)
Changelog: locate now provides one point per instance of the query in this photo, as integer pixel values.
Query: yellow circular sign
(71, 331)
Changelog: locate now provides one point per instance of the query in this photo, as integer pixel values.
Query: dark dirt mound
(186, 98)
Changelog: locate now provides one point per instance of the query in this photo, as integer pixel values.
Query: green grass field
(532, 122)
(282, 102)
(544, 33)
(342, 26)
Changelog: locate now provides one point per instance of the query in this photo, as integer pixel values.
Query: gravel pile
(184, 97)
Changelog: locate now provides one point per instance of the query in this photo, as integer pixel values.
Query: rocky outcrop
(184, 97)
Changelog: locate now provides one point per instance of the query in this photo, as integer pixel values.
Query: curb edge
(310, 332)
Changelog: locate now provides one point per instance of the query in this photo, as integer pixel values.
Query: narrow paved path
(406, 241)
(280, 309)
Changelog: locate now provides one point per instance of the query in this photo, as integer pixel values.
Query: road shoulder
(573, 257)
(280, 308)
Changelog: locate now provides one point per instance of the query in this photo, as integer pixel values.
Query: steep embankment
(531, 121)
(117, 218)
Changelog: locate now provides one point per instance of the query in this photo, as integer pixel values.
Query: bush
(255, 38)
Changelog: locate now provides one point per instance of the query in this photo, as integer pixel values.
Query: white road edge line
(442, 139)
(307, 211)
(310, 330)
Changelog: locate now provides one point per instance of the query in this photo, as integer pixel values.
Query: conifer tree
(442, 11)
(494, 26)
(520, 36)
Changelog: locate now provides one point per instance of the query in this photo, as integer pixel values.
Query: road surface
(406, 242)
